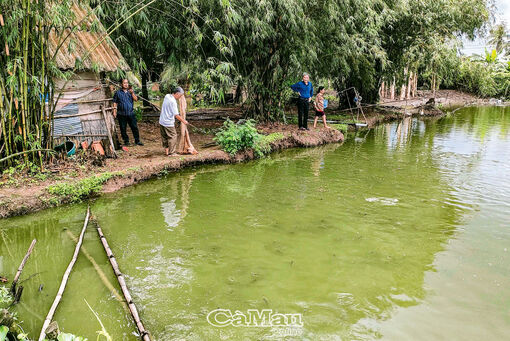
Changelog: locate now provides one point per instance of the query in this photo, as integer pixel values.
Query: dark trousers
(303, 107)
(130, 120)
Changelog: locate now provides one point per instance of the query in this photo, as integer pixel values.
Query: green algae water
(401, 233)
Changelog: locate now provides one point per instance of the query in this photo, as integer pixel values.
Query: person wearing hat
(169, 113)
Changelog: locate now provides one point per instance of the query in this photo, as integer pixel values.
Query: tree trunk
(238, 97)
(392, 91)
(434, 85)
(382, 91)
(410, 85)
(145, 90)
(403, 92)
(415, 87)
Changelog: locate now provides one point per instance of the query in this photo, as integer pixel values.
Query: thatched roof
(106, 57)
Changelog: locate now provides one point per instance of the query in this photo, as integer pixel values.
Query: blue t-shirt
(305, 91)
(124, 102)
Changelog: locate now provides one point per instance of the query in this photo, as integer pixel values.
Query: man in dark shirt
(305, 89)
(123, 110)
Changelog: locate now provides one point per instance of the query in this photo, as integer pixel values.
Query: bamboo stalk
(144, 334)
(25, 152)
(98, 269)
(63, 284)
(22, 265)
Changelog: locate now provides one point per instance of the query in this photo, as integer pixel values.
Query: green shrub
(76, 191)
(234, 138)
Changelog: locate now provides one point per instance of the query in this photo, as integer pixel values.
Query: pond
(400, 233)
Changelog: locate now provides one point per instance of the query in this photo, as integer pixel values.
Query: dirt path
(442, 98)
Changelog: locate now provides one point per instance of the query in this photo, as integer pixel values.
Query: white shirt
(168, 111)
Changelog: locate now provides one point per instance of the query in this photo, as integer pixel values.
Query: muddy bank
(30, 194)
(22, 194)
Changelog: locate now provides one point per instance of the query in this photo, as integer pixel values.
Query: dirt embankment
(25, 194)
(21, 194)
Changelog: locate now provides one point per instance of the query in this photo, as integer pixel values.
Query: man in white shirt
(170, 112)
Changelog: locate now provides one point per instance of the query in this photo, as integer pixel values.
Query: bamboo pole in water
(21, 266)
(144, 334)
(99, 271)
(63, 284)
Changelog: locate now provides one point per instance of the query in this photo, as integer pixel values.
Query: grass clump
(263, 145)
(76, 191)
(342, 127)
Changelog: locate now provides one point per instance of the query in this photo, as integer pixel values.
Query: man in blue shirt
(123, 110)
(305, 89)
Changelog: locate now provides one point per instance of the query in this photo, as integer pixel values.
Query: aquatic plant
(5, 297)
(70, 337)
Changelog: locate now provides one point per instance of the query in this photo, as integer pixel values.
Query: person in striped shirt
(319, 107)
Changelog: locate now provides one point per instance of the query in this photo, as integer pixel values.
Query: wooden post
(144, 334)
(112, 146)
(64, 279)
(21, 266)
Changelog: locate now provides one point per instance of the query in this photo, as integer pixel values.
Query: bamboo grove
(211, 45)
(29, 73)
(263, 46)
(27, 78)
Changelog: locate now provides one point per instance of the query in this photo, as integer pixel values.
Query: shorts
(319, 113)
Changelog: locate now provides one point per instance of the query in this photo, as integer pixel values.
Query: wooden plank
(93, 101)
(112, 146)
(82, 113)
(82, 135)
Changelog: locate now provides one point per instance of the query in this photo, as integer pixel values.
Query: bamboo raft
(143, 333)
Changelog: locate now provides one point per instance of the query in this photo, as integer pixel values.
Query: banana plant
(491, 57)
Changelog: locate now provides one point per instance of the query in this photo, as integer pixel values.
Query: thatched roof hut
(89, 52)
(80, 44)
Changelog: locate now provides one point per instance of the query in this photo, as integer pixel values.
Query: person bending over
(169, 113)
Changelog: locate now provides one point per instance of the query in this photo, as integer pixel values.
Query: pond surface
(402, 232)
